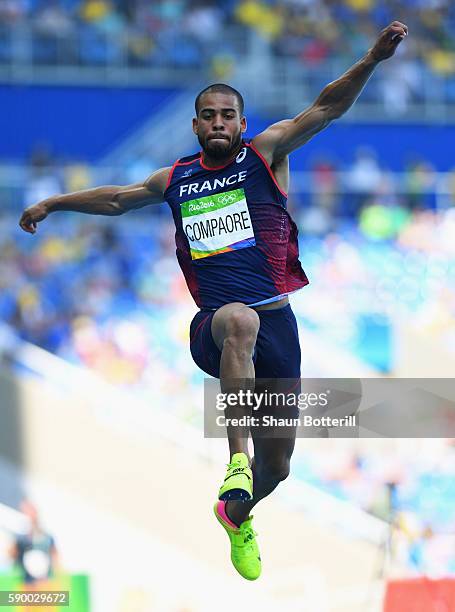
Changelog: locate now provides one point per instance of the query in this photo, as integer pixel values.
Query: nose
(218, 124)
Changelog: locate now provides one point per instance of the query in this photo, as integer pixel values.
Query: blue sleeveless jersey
(235, 240)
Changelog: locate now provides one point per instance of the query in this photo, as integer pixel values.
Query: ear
(243, 124)
(195, 125)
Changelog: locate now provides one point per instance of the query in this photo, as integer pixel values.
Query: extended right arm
(110, 200)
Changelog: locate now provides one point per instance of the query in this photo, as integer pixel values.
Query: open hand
(388, 40)
(32, 215)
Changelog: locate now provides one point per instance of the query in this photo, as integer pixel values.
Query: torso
(280, 171)
(252, 263)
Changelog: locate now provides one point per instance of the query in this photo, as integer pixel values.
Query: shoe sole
(235, 495)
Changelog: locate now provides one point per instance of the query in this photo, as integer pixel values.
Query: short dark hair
(220, 88)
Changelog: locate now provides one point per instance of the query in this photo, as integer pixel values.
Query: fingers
(398, 24)
(27, 224)
(28, 228)
(398, 30)
(389, 39)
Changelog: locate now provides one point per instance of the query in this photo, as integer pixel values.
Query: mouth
(218, 138)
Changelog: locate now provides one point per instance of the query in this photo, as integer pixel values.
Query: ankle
(235, 456)
(235, 512)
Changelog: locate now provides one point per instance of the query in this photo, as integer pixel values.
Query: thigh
(278, 346)
(205, 353)
(208, 331)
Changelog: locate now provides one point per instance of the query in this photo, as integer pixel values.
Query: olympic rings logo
(227, 198)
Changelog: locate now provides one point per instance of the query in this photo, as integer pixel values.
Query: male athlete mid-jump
(237, 248)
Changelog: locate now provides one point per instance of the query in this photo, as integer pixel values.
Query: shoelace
(233, 465)
(248, 534)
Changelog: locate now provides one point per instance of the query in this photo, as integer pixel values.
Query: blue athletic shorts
(277, 350)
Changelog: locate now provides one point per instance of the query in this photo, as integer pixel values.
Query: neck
(210, 162)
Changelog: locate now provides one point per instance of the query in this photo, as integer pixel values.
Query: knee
(273, 471)
(242, 328)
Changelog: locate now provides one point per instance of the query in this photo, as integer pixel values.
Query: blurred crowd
(413, 491)
(342, 189)
(183, 33)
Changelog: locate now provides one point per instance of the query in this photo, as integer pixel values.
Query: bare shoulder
(157, 181)
(266, 142)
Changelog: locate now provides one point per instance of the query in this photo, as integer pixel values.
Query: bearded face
(219, 125)
(221, 146)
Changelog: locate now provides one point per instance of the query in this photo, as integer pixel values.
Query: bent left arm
(336, 98)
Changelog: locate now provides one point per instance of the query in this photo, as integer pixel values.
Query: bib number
(217, 224)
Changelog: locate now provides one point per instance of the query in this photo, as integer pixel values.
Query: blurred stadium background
(97, 386)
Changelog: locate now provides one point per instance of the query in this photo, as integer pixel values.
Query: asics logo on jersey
(241, 156)
(227, 198)
(187, 173)
(211, 185)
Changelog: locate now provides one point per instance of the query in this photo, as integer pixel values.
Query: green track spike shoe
(245, 555)
(238, 483)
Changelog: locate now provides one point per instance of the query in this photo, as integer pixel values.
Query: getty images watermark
(258, 402)
(347, 408)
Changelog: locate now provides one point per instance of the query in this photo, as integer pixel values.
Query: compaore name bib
(217, 223)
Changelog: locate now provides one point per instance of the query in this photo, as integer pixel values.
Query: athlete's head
(219, 122)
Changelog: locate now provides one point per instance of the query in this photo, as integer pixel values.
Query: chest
(193, 182)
